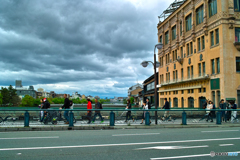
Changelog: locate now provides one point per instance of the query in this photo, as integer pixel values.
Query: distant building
(53, 94)
(18, 84)
(134, 92)
(21, 92)
(83, 96)
(76, 95)
(42, 93)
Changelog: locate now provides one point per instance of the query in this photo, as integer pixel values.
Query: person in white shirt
(144, 106)
(209, 106)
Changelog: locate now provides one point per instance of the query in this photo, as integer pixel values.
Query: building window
(199, 69)
(173, 75)
(218, 65)
(213, 66)
(189, 22)
(160, 39)
(175, 102)
(237, 34)
(166, 37)
(236, 5)
(238, 64)
(212, 7)
(218, 98)
(203, 43)
(199, 15)
(189, 91)
(182, 52)
(188, 72)
(191, 71)
(173, 55)
(174, 32)
(176, 75)
(200, 90)
(204, 89)
(182, 73)
(203, 66)
(212, 38)
(188, 49)
(217, 36)
(199, 44)
(191, 46)
(192, 91)
(182, 91)
(181, 28)
(213, 97)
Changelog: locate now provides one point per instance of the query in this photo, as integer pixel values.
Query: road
(140, 144)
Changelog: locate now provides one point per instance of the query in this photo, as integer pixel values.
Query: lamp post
(155, 65)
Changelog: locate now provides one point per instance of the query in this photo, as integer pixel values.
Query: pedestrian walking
(234, 113)
(209, 107)
(166, 106)
(223, 106)
(89, 113)
(128, 115)
(98, 105)
(66, 106)
(145, 106)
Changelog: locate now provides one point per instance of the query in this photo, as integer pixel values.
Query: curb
(95, 127)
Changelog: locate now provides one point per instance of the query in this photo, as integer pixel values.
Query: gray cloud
(57, 42)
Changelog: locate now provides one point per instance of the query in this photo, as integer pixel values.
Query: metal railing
(112, 114)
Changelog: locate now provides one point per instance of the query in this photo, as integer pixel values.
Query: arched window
(190, 102)
(175, 102)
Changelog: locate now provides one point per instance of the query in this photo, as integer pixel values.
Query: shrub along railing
(112, 114)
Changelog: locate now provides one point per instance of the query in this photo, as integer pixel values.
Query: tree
(27, 101)
(131, 100)
(16, 100)
(12, 93)
(5, 96)
(1, 98)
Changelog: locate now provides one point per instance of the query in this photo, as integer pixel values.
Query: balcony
(184, 80)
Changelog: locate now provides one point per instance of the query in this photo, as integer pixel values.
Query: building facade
(149, 90)
(21, 92)
(200, 58)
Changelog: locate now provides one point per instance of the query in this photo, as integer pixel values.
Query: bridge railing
(25, 114)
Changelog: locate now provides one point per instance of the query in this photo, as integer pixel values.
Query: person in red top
(89, 113)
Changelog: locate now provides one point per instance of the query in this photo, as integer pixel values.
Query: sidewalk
(119, 124)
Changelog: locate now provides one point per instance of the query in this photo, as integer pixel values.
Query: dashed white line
(222, 145)
(137, 134)
(121, 144)
(29, 138)
(220, 131)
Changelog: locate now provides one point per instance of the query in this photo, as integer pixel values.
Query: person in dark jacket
(45, 105)
(66, 106)
(166, 106)
(128, 115)
(223, 106)
(97, 113)
(148, 103)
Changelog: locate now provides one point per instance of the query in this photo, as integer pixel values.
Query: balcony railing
(184, 79)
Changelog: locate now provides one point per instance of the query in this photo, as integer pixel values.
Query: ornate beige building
(200, 58)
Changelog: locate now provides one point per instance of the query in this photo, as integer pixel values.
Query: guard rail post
(26, 119)
(184, 118)
(112, 118)
(71, 119)
(147, 118)
(218, 117)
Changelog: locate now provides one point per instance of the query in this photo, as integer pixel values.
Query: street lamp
(155, 65)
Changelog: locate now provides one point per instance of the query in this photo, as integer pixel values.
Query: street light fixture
(155, 65)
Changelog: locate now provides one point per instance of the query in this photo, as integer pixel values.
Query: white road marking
(137, 134)
(121, 144)
(29, 138)
(187, 156)
(221, 131)
(172, 147)
(222, 145)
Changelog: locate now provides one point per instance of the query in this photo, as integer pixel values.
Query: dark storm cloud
(50, 42)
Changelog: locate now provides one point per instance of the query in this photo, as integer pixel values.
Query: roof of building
(172, 8)
(150, 78)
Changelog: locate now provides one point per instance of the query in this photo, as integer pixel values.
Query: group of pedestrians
(225, 115)
(98, 105)
(44, 105)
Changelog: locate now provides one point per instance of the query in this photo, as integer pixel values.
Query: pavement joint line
(29, 138)
(120, 144)
(187, 156)
(223, 145)
(137, 134)
(221, 131)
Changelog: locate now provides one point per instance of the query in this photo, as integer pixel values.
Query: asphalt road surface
(185, 143)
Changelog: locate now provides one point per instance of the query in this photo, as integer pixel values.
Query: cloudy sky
(94, 47)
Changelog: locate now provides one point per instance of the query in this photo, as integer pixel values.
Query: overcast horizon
(88, 46)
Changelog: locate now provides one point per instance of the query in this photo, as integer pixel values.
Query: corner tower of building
(200, 58)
